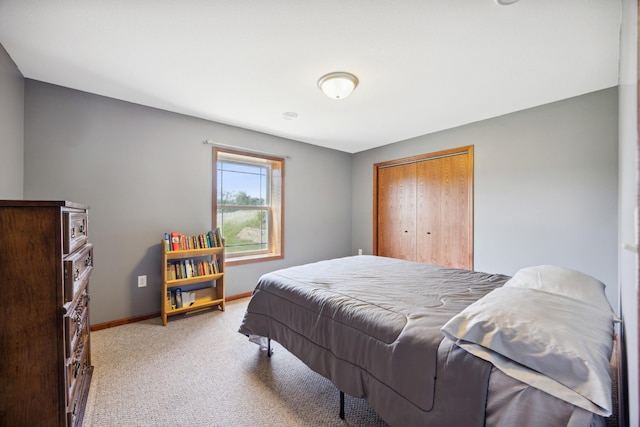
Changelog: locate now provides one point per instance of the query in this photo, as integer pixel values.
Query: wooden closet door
(396, 215)
(423, 208)
(443, 229)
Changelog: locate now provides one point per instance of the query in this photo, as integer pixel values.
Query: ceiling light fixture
(338, 85)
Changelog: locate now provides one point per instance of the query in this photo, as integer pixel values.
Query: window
(248, 204)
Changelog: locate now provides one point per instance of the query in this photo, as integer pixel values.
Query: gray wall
(145, 171)
(11, 128)
(628, 188)
(546, 186)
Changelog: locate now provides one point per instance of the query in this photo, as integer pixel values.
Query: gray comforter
(371, 325)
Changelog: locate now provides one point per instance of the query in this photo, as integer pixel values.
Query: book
(167, 242)
(218, 236)
(175, 241)
(178, 293)
(188, 299)
(216, 266)
(172, 302)
(187, 268)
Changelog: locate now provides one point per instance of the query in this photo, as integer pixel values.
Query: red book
(175, 241)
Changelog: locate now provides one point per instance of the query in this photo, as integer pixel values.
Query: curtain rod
(233, 147)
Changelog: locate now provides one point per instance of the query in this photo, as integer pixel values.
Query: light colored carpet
(199, 371)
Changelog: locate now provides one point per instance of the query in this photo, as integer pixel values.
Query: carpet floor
(199, 371)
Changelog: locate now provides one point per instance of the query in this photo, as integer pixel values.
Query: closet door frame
(468, 150)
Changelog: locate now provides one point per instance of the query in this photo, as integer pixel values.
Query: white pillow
(563, 281)
(557, 344)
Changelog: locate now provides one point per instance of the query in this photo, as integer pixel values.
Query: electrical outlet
(359, 251)
(142, 281)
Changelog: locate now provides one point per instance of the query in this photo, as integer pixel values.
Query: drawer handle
(87, 260)
(76, 274)
(78, 351)
(78, 320)
(81, 229)
(76, 369)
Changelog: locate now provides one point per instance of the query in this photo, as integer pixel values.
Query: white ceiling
(423, 65)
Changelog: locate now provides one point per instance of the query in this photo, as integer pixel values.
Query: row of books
(175, 241)
(187, 268)
(178, 299)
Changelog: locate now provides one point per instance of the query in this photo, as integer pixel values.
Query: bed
(430, 345)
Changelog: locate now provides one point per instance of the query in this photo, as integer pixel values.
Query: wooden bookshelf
(208, 289)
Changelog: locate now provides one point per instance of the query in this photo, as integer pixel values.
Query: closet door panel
(430, 236)
(397, 212)
(460, 212)
(443, 220)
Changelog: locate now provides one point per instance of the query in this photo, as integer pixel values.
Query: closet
(423, 208)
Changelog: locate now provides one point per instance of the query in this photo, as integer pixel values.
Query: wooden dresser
(45, 264)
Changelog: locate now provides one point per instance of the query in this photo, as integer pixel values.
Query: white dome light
(338, 85)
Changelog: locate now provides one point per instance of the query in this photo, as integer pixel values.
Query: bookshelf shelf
(191, 253)
(200, 304)
(192, 280)
(203, 291)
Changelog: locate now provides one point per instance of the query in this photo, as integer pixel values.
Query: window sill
(239, 260)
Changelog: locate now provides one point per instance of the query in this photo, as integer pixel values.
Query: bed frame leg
(269, 347)
(342, 405)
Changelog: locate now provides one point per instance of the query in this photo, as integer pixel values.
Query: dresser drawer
(76, 323)
(78, 375)
(77, 269)
(76, 368)
(75, 231)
